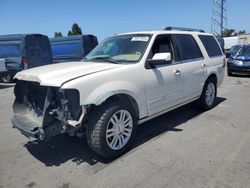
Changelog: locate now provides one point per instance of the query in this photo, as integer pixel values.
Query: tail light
(25, 63)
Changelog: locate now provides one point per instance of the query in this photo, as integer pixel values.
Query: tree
(241, 32)
(228, 33)
(76, 30)
(232, 32)
(70, 33)
(58, 34)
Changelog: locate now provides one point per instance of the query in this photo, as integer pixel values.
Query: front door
(164, 83)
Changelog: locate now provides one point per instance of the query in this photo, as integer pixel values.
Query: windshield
(9, 50)
(121, 48)
(244, 51)
(234, 48)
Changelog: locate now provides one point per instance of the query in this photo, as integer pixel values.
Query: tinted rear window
(9, 50)
(211, 45)
(186, 47)
(66, 49)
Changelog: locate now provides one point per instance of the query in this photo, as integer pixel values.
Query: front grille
(30, 94)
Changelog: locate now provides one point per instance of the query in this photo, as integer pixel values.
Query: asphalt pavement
(183, 148)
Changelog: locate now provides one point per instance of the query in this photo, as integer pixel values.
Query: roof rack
(183, 29)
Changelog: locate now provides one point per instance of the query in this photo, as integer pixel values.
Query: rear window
(186, 47)
(9, 50)
(66, 49)
(210, 45)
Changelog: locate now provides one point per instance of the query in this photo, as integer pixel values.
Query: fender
(97, 94)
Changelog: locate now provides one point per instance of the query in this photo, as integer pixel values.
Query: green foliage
(232, 32)
(76, 30)
(58, 34)
(242, 32)
(70, 33)
(228, 32)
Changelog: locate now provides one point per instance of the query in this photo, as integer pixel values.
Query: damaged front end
(42, 112)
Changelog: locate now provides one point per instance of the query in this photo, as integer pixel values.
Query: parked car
(126, 80)
(72, 48)
(24, 51)
(239, 63)
(3, 70)
(233, 50)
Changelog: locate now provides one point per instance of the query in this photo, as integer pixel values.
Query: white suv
(126, 80)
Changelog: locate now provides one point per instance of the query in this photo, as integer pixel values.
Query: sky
(104, 18)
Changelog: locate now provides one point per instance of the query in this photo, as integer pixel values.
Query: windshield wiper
(105, 58)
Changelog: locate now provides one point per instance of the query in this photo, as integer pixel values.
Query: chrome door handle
(177, 72)
(204, 65)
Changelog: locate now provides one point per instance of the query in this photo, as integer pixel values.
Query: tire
(7, 78)
(209, 94)
(104, 136)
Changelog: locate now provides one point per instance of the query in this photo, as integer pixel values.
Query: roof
(15, 36)
(165, 32)
(73, 37)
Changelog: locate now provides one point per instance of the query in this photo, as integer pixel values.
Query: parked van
(72, 48)
(24, 51)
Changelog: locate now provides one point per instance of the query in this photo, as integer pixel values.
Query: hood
(241, 57)
(57, 74)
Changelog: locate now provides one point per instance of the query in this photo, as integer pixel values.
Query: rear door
(193, 65)
(38, 50)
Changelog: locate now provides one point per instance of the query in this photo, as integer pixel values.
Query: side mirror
(160, 59)
(162, 56)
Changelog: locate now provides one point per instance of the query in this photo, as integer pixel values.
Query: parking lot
(184, 148)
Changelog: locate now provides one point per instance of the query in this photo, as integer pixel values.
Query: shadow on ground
(240, 76)
(63, 148)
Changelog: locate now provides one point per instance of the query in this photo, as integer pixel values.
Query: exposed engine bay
(42, 112)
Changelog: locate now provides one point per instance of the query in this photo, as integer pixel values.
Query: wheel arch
(213, 76)
(124, 97)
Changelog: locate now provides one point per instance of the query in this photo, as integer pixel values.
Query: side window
(186, 47)
(210, 45)
(161, 44)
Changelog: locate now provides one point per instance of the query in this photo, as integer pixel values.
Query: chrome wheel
(119, 129)
(210, 93)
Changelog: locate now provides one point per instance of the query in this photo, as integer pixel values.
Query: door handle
(177, 72)
(204, 65)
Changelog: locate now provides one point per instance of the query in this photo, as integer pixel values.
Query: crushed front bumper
(43, 112)
(27, 127)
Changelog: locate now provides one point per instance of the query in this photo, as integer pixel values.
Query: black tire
(97, 126)
(8, 78)
(202, 100)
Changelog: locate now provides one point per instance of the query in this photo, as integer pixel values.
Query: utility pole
(219, 17)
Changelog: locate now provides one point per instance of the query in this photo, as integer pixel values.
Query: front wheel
(208, 96)
(111, 129)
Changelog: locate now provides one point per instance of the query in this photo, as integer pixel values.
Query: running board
(165, 111)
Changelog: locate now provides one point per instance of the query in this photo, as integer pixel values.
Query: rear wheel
(111, 129)
(208, 96)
